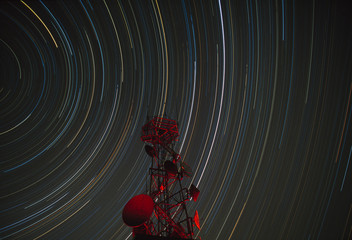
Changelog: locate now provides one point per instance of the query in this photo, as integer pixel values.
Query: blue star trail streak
(262, 92)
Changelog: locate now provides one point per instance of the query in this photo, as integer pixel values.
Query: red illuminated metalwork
(160, 131)
(170, 219)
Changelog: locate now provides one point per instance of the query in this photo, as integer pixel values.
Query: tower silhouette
(161, 213)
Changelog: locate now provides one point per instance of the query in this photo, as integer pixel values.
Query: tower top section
(160, 131)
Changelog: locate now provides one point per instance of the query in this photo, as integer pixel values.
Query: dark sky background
(261, 91)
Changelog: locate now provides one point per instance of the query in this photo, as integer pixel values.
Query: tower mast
(162, 211)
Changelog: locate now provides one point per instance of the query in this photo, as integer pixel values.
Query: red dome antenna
(138, 210)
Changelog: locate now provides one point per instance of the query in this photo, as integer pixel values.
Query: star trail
(261, 91)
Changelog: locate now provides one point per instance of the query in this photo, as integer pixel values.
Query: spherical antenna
(150, 150)
(138, 210)
(170, 168)
(194, 192)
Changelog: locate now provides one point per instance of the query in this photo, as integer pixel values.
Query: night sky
(261, 91)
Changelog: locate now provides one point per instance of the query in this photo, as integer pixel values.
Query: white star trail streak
(222, 94)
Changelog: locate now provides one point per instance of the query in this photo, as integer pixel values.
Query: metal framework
(170, 218)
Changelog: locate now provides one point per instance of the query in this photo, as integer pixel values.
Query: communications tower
(161, 213)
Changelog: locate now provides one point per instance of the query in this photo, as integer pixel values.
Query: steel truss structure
(170, 216)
